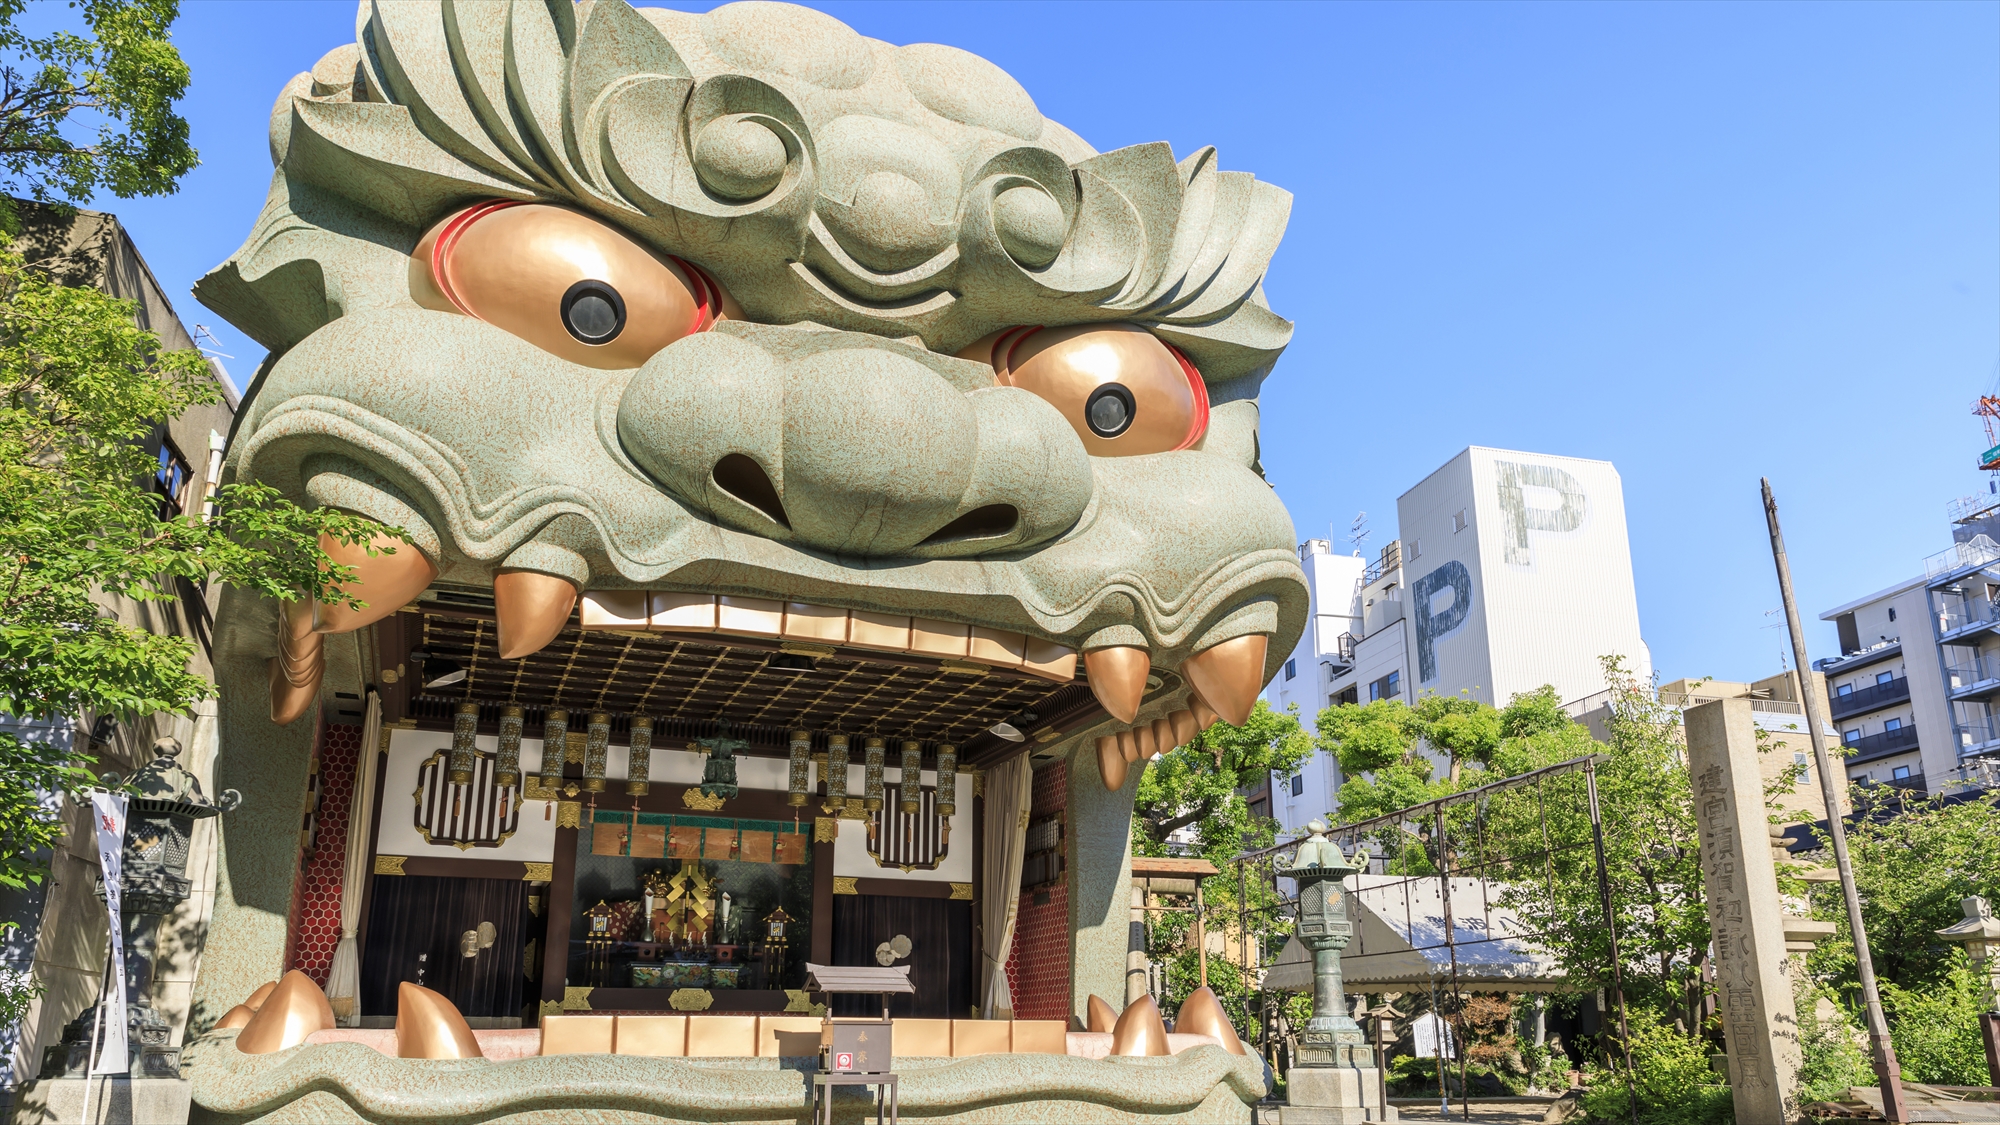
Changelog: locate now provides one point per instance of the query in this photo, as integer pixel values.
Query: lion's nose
(831, 441)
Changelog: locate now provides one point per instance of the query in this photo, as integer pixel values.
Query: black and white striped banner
(911, 841)
(479, 815)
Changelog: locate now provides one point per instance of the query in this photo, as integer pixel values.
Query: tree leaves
(124, 76)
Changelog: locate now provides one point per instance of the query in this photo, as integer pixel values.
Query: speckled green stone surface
(346, 1082)
(873, 209)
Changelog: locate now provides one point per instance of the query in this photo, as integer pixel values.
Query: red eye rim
(448, 238)
(1011, 340)
(707, 298)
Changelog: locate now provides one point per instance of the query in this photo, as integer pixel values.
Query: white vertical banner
(108, 814)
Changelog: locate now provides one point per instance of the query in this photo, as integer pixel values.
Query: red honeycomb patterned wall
(316, 915)
(1038, 963)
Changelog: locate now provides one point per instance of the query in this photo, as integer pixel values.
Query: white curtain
(1009, 795)
(343, 981)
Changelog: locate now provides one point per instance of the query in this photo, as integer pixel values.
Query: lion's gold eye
(562, 281)
(1123, 389)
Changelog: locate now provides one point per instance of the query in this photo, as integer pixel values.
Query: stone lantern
(159, 827)
(1333, 1079)
(1331, 1037)
(1980, 935)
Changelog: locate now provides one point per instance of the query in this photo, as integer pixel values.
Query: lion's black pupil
(1109, 410)
(593, 316)
(593, 312)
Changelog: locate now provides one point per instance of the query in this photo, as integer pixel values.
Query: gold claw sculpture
(263, 992)
(234, 1017)
(428, 1026)
(1201, 1014)
(294, 1010)
(1140, 1031)
(1102, 1017)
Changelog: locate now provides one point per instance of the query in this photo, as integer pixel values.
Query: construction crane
(1988, 410)
(1970, 509)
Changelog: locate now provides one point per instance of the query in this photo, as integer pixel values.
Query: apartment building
(1510, 570)
(1913, 690)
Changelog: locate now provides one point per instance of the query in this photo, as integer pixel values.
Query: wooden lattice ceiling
(687, 682)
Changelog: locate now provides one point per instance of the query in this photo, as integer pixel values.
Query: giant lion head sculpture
(598, 299)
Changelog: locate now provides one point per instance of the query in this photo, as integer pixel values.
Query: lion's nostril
(746, 480)
(988, 522)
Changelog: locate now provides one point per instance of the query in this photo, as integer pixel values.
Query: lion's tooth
(1229, 675)
(1118, 678)
(387, 582)
(1111, 762)
(1163, 736)
(1142, 743)
(296, 671)
(1204, 715)
(530, 608)
(1185, 727)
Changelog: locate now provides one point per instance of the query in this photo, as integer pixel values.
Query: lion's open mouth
(763, 667)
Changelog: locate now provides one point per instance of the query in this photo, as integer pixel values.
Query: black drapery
(940, 960)
(412, 914)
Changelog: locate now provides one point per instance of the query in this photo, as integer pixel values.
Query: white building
(1510, 571)
(1914, 689)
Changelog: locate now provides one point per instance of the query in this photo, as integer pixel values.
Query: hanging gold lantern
(596, 748)
(464, 751)
(874, 750)
(640, 764)
(801, 768)
(836, 770)
(507, 768)
(913, 775)
(947, 779)
(555, 742)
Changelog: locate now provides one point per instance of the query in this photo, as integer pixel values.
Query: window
(1798, 757)
(1892, 613)
(1901, 772)
(1850, 736)
(1458, 520)
(1892, 724)
(1298, 785)
(1386, 688)
(1844, 689)
(1395, 683)
(1885, 677)
(170, 480)
(1349, 694)
(1416, 548)
(1292, 669)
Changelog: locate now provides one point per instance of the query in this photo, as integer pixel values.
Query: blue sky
(1707, 242)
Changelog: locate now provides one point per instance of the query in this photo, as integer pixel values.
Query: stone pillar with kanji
(1746, 919)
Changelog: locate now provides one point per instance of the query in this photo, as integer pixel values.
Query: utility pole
(1887, 1070)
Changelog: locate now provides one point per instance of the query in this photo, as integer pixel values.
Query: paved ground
(1483, 1113)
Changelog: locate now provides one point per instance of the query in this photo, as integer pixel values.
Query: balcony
(1972, 681)
(1960, 557)
(1384, 611)
(1881, 745)
(1969, 618)
(1977, 735)
(1870, 698)
(1341, 660)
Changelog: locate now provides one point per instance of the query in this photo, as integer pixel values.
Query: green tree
(1912, 869)
(81, 389)
(120, 73)
(1201, 786)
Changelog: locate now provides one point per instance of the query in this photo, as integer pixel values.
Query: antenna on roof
(1357, 531)
(209, 345)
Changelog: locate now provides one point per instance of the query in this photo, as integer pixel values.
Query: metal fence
(1465, 894)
